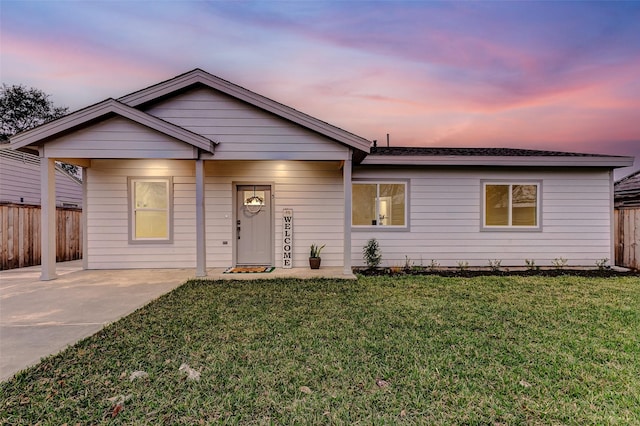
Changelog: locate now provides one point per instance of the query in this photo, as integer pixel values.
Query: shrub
(463, 265)
(433, 265)
(559, 262)
(602, 264)
(371, 253)
(408, 264)
(495, 264)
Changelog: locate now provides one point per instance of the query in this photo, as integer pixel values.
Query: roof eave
(537, 161)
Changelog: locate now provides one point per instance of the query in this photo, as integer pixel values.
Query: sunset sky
(540, 75)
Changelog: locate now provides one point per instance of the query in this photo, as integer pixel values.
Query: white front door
(254, 235)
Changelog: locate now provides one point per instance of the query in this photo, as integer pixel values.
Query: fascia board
(537, 161)
(109, 106)
(198, 76)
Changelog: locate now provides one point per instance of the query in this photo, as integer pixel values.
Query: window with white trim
(379, 204)
(150, 209)
(511, 205)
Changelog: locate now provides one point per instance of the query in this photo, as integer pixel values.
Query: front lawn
(383, 350)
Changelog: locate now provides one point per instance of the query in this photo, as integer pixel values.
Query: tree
(23, 108)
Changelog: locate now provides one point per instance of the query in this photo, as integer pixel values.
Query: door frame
(234, 228)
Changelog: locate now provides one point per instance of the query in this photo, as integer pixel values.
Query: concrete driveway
(40, 318)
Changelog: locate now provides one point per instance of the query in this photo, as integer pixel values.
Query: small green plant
(463, 265)
(408, 264)
(433, 265)
(371, 253)
(603, 264)
(315, 250)
(531, 264)
(559, 262)
(419, 267)
(495, 264)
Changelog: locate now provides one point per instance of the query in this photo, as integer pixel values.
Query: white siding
(108, 217)
(445, 215)
(118, 138)
(312, 189)
(20, 181)
(243, 131)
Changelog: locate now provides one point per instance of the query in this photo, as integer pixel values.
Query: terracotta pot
(314, 262)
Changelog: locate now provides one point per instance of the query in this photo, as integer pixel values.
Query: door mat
(249, 269)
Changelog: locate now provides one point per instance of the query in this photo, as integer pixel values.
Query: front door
(253, 225)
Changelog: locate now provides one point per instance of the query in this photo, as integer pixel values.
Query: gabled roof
(200, 77)
(489, 157)
(627, 190)
(102, 110)
(631, 181)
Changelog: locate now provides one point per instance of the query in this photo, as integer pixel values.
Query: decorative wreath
(254, 203)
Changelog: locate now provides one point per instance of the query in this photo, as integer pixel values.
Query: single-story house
(20, 180)
(197, 172)
(627, 191)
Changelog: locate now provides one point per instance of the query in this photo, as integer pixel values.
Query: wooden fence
(20, 235)
(627, 237)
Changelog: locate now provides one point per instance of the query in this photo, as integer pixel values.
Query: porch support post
(47, 218)
(346, 183)
(201, 255)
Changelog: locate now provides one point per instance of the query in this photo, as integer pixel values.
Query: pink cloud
(76, 73)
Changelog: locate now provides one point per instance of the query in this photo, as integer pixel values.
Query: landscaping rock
(138, 375)
(191, 373)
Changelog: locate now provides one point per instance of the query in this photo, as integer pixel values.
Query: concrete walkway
(40, 318)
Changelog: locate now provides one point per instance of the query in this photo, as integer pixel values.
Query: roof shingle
(486, 152)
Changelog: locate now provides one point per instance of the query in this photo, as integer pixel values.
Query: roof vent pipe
(387, 140)
(375, 143)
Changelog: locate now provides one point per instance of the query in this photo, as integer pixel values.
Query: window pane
(151, 195)
(392, 199)
(524, 200)
(151, 224)
(497, 205)
(363, 209)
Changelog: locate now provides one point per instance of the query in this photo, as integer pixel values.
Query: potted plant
(314, 256)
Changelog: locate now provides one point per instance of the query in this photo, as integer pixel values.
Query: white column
(48, 218)
(346, 183)
(201, 255)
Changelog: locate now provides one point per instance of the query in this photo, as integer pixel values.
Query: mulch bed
(471, 272)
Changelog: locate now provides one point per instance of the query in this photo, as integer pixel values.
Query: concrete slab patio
(40, 318)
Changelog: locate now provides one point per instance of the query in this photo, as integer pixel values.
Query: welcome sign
(287, 238)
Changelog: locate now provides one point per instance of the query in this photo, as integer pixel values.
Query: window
(379, 204)
(511, 205)
(150, 209)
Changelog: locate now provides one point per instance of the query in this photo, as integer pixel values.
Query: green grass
(487, 350)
